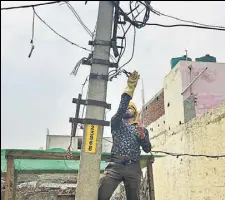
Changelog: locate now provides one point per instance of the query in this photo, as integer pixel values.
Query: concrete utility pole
(89, 173)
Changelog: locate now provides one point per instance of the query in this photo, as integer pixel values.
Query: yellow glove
(132, 83)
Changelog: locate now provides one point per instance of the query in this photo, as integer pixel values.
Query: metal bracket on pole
(99, 76)
(120, 47)
(86, 62)
(100, 42)
(114, 42)
(115, 49)
(74, 127)
(100, 61)
(119, 37)
(89, 121)
(104, 62)
(92, 103)
(122, 22)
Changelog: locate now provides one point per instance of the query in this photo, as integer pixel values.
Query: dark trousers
(114, 174)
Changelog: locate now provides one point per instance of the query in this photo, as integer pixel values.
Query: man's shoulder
(146, 130)
(120, 123)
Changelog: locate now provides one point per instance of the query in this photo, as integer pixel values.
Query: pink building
(203, 83)
(190, 89)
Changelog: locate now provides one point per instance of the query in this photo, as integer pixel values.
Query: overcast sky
(37, 92)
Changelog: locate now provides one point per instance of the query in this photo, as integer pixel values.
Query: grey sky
(37, 92)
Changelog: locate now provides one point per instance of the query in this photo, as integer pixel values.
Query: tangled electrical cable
(127, 17)
(137, 24)
(118, 71)
(61, 36)
(30, 6)
(144, 22)
(79, 18)
(91, 34)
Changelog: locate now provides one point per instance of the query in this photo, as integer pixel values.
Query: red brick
(155, 109)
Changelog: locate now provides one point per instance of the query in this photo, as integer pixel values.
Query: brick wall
(154, 109)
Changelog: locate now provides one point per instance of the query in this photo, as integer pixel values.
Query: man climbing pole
(128, 135)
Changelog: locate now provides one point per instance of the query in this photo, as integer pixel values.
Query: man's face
(130, 111)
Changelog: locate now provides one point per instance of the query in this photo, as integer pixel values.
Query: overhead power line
(182, 154)
(114, 73)
(148, 7)
(67, 40)
(107, 140)
(185, 25)
(85, 26)
(131, 19)
(79, 19)
(183, 20)
(132, 55)
(30, 6)
(32, 37)
(118, 71)
(191, 155)
(135, 23)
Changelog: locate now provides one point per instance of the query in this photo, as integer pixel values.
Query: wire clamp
(100, 42)
(99, 76)
(100, 62)
(92, 102)
(89, 121)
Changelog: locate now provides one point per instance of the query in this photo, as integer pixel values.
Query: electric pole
(89, 171)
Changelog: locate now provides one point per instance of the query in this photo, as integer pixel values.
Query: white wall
(61, 141)
(106, 144)
(173, 99)
(157, 126)
(192, 178)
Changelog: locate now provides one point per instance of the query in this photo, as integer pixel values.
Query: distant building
(188, 117)
(190, 89)
(63, 141)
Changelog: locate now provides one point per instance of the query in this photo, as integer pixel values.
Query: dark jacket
(126, 141)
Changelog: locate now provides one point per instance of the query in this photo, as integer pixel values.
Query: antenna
(143, 102)
(186, 55)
